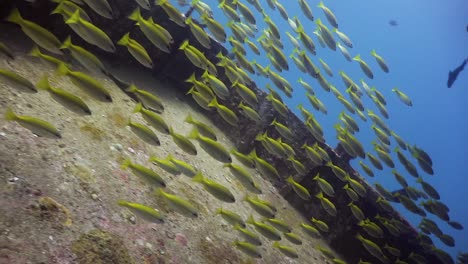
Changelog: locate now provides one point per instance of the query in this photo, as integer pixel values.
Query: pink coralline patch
(123, 175)
(181, 239)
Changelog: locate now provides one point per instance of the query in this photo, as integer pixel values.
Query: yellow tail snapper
(272, 145)
(230, 217)
(199, 33)
(36, 125)
(86, 82)
(215, 27)
(101, 7)
(155, 33)
(373, 249)
(144, 133)
(204, 129)
(357, 212)
(320, 224)
(307, 41)
(219, 88)
(136, 50)
(69, 100)
(351, 193)
(246, 160)
(227, 114)
(252, 46)
(280, 225)
(182, 142)
(145, 212)
(320, 38)
(153, 119)
(149, 100)
(310, 230)
(344, 51)
(166, 165)
(84, 57)
(282, 129)
(266, 230)
(245, 11)
(90, 33)
(182, 166)
(172, 12)
(229, 11)
(366, 169)
(244, 177)
(339, 172)
(143, 172)
(326, 35)
(246, 94)
(265, 168)
(36, 52)
(298, 166)
(328, 14)
(24, 83)
(41, 36)
(192, 55)
(403, 97)
(247, 248)
(326, 204)
(300, 190)
(281, 10)
(278, 105)
(201, 88)
(67, 8)
(213, 148)
(293, 238)
(306, 10)
(324, 185)
(259, 206)
(380, 61)
(178, 204)
(286, 250)
(364, 67)
(326, 68)
(217, 190)
(248, 235)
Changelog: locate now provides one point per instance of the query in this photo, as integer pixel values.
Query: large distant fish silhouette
(454, 74)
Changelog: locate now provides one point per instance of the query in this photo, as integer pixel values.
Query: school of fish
(257, 31)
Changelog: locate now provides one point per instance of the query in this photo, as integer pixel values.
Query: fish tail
(259, 137)
(67, 43)
(319, 195)
(124, 40)
(193, 134)
(273, 122)
(43, 83)
(14, 16)
(198, 177)
(184, 44)
(59, 7)
(125, 164)
(135, 15)
(357, 57)
(74, 18)
(191, 79)
(276, 244)
(213, 103)
(191, 91)
(253, 153)
(373, 53)
(219, 211)
(35, 52)
(250, 220)
(131, 89)
(225, 165)
(138, 108)
(10, 115)
(290, 179)
(122, 203)
(189, 119)
(62, 69)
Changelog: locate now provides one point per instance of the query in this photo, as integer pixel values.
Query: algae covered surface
(58, 197)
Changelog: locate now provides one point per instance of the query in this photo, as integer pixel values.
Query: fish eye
(195, 214)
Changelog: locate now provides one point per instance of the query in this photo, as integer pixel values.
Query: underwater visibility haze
(376, 129)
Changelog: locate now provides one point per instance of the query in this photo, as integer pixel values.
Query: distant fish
(394, 23)
(453, 75)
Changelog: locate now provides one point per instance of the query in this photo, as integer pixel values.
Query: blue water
(431, 38)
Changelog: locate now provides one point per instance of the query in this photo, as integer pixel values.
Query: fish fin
(213, 103)
(62, 69)
(135, 15)
(14, 16)
(74, 18)
(10, 115)
(125, 164)
(44, 83)
(189, 119)
(194, 134)
(35, 51)
(67, 43)
(198, 177)
(124, 40)
(138, 108)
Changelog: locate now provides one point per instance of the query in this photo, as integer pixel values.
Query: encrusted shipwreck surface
(81, 171)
